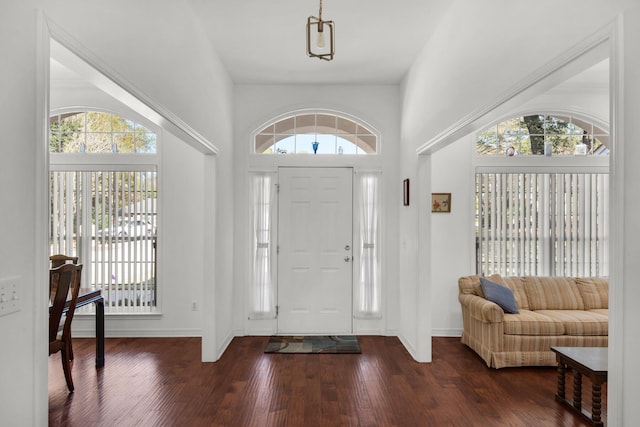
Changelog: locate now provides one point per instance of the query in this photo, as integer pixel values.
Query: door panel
(315, 256)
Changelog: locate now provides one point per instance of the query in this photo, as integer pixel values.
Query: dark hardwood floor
(162, 382)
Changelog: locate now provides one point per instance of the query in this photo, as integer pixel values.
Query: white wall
(453, 251)
(377, 106)
(17, 216)
(456, 76)
(624, 382)
(180, 226)
(452, 239)
(164, 56)
(168, 58)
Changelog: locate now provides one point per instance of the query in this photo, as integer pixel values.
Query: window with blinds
(552, 224)
(111, 217)
(103, 192)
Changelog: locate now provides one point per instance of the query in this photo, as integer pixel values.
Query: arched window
(98, 132)
(103, 203)
(539, 134)
(315, 133)
(540, 217)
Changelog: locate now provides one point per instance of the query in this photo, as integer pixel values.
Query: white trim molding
(616, 228)
(71, 53)
(590, 51)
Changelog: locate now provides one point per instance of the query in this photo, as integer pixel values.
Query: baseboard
(140, 333)
(392, 332)
(374, 331)
(446, 332)
(225, 344)
(410, 348)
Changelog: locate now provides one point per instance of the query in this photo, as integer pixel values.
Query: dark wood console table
(588, 361)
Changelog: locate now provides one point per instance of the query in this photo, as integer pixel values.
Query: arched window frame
(364, 137)
(598, 130)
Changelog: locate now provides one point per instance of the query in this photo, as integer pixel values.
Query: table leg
(100, 333)
(577, 390)
(596, 394)
(561, 379)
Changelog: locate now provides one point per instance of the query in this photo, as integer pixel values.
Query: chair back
(59, 259)
(65, 280)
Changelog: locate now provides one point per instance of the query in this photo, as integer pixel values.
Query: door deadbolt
(346, 248)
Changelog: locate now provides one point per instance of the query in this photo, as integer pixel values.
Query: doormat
(328, 344)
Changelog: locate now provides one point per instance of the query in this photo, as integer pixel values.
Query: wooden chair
(56, 261)
(60, 259)
(66, 282)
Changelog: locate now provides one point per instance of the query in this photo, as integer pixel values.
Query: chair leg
(66, 367)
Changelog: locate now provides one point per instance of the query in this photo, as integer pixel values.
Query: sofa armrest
(481, 309)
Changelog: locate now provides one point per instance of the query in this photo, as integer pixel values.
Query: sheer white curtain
(368, 302)
(262, 280)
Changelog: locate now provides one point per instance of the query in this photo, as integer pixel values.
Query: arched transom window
(543, 134)
(316, 133)
(98, 132)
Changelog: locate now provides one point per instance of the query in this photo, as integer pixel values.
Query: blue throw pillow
(499, 294)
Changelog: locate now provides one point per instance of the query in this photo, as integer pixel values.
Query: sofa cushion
(516, 284)
(594, 291)
(531, 323)
(579, 322)
(469, 285)
(602, 311)
(499, 294)
(553, 293)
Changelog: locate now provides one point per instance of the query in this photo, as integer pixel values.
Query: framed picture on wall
(440, 202)
(405, 190)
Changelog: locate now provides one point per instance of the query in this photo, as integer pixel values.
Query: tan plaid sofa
(554, 311)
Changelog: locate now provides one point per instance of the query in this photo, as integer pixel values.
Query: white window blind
(542, 224)
(66, 207)
(115, 212)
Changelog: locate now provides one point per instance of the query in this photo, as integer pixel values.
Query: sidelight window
(368, 302)
(262, 288)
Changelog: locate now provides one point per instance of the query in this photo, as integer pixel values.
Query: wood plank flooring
(162, 382)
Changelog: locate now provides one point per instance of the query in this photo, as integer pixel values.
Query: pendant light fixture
(320, 39)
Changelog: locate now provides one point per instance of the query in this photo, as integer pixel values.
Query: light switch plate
(10, 295)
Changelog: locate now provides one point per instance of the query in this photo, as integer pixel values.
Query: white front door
(315, 250)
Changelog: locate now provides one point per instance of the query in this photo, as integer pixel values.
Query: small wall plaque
(440, 202)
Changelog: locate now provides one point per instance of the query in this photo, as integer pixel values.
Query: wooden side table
(588, 361)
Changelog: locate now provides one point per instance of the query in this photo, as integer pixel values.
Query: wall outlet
(10, 295)
(194, 306)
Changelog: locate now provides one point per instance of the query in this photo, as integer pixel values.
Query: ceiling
(264, 41)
